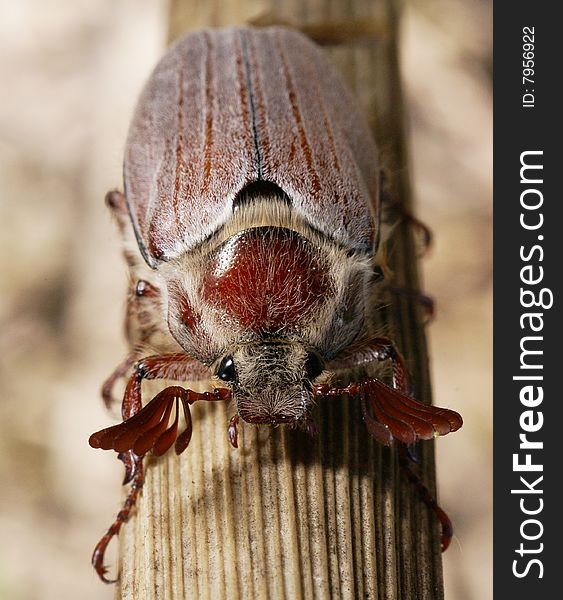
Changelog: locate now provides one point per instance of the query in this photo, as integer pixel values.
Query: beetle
(251, 216)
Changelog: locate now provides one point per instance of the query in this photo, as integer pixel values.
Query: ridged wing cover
(225, 108)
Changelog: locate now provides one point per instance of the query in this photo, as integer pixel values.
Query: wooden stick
(284, 518)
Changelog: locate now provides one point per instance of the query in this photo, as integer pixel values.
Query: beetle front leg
(120, 371)
(384, 349)
(177, 366)
(374, 350)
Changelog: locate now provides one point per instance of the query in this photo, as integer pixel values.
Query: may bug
(252, 187)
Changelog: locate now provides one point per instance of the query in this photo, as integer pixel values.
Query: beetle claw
(130, 464)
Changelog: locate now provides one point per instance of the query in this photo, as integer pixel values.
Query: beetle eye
(226, 370)
(313, 366)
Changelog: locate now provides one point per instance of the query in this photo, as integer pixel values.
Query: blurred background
(71, 73)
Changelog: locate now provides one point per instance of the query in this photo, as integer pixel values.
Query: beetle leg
(427, 498)
(422, 230)
(145, 320)
(390, 202)
(384, 349)
(130, 462)
(119, 372)
(372, 350)
(409, 421)
(427, 302)
(117, 203)
(402, 418)
(122, 517)
(144, 325)
(177, 366)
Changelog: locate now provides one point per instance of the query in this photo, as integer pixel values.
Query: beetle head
(271, 381)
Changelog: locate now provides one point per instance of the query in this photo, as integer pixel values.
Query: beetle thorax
(266, 280)
(266, 275)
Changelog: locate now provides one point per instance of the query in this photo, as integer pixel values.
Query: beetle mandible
(252, 186)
